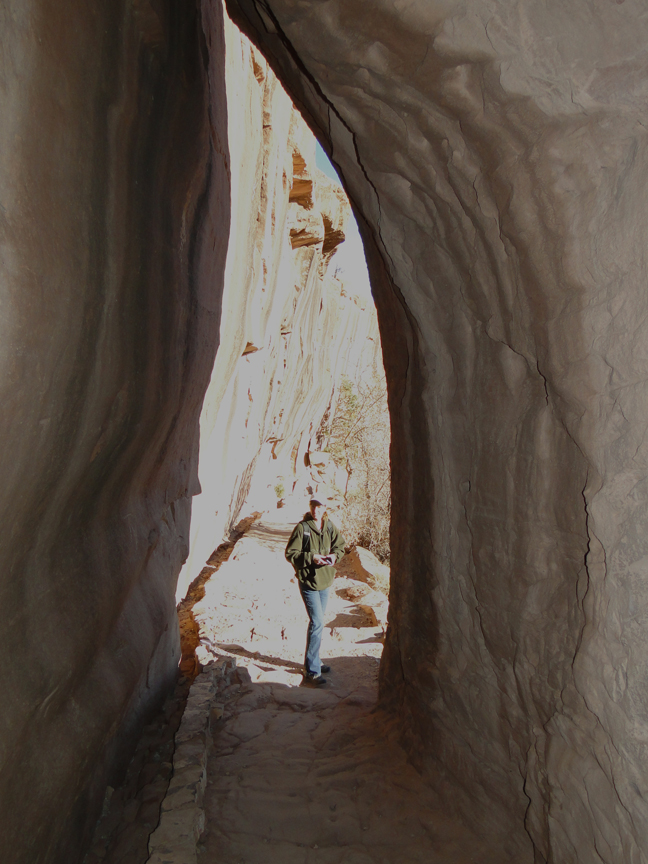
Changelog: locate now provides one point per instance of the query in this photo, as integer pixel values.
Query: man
(315, 545)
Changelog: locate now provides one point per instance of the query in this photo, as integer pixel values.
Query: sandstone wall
(114, 207)
(289, 327)
(497, 155)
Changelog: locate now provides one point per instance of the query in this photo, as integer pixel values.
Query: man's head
(317, 506)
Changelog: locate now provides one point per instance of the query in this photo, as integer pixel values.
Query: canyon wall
(289, 327)
(496, 155)
(114, 209)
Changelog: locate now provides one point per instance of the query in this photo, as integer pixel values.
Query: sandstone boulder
(361, 564)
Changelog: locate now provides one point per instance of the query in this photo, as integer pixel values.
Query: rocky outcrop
(289, 326)
(496, 154)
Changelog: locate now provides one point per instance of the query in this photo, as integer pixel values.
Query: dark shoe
(326, 669)
(311, 680)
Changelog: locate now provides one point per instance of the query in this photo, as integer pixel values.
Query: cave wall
(114, 208)
(496, 156)
(289, 326)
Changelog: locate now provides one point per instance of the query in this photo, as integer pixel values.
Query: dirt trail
(302, 776)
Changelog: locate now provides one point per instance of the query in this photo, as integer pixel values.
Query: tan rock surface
(495, 154)
(303, 777)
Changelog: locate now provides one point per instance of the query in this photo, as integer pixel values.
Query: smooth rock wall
(289, 327)
(114, 208)
(496, 155)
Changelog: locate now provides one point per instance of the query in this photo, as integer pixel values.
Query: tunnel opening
(304, 406)
(298, 332)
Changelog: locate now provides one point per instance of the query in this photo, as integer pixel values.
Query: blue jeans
(315, 603)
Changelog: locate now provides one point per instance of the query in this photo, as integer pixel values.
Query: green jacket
(328, 541)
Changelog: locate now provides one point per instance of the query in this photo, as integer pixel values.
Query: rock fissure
(582, 599)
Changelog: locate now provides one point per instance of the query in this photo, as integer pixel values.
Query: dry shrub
(357, 435)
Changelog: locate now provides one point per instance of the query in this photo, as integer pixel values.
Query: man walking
(315, 545)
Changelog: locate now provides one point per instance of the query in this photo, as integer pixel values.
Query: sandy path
(302, 776)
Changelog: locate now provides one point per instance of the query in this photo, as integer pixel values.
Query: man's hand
(323, 560)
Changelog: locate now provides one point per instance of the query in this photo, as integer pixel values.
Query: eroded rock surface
(497, 155)
(362, 564)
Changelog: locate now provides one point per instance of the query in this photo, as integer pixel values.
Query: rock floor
(302, 776)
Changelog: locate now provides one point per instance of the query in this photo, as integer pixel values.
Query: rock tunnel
(495, 156)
